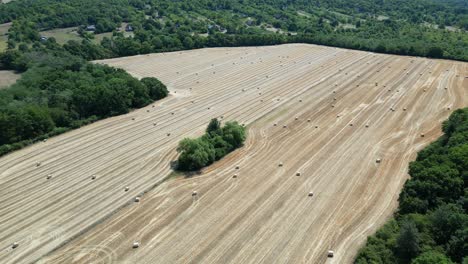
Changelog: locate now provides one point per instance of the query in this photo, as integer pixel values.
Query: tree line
(59, 91)
(216, 143)
(431, 224)
(396, 27)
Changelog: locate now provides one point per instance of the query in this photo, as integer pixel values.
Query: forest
(59, 91)
(217, 142)
(428, 28)
(431, 224)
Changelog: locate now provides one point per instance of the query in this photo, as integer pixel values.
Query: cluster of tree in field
(216, 143)
(59, 91)
(431, 224)
(395, 27)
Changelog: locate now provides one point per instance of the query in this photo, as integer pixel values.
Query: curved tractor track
(326, 113)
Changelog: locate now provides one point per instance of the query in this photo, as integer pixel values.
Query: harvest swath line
(263, 215)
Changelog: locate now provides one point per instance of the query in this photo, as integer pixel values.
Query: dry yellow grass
(265, 214)
(8, 78)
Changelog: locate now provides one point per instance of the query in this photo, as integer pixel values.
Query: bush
(215, 144)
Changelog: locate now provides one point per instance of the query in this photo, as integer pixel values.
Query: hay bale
(422, 135)
(316, 126)
(311, 194)
(367, 125)
(49, 176)
(298, 174)
(330, 254)
(285, 126)
(168, 134)
(44, 140)
(38, 164)
(351, 124)
(280, 164)
(275, 124)
(126, 189)
(308, 120)
(136, 244)
(93, 177)
(14, 245)
(147, 111)
(378, 160)
(296, 118)
(194, 193)
(137, 199)
(234, 176)
(133, 118)
(237, 167)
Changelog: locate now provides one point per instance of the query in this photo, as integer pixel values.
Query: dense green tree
(432, 257)
(215, 144)
(407, 244)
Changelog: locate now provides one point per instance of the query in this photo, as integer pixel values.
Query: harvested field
(265, 214)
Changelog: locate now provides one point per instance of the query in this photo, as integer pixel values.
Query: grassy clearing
(4, 35)
(8, 78)
(62, 35)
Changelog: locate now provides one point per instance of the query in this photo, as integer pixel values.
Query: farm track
(264, 215)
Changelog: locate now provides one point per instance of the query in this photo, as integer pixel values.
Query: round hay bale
(367, 125)
(237, 167)
(275, 124)
(194, 193)
(308, 120)
(351, 124)
(38, 164)
(147, 111)
(311, 194)
(378, 160)
(137, 199)
(14, 245)
(330, 254)
(422, 135)
(168, 134)
(133, 118)
(136, 244)
(126, 189)
(316, 126)
(296, 118)
(298, 174)
(234, 176)
(280, 164)
(93, 177)
(285, 126)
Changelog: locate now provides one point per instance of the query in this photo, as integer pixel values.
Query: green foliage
(215, 144)
(431, 225)
(62, 91)
(408, 27)
(407, 244)
(156, 89)
(432, 257)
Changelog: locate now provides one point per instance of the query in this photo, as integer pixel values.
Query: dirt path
(265, 214)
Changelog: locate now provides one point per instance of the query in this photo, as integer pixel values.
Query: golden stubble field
(322, 112)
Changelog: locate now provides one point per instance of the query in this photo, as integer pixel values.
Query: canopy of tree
(414, 27)
(216, 143)
(59, 91)
(431, 225)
